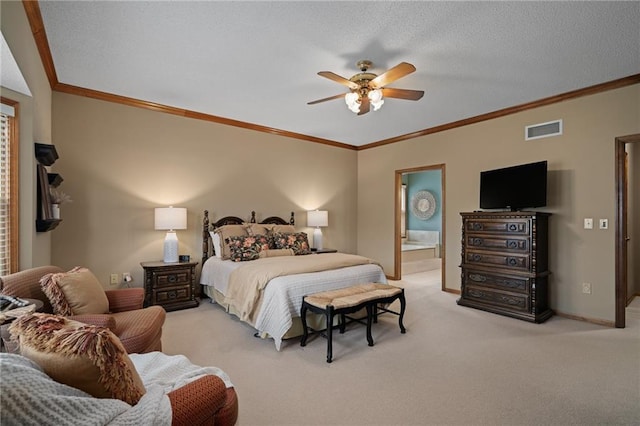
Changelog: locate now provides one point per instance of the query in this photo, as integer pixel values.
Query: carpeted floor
(454, 366)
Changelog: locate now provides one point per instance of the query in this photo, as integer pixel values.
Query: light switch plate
(588, 223)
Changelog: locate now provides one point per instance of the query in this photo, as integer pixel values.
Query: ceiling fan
(368, 89)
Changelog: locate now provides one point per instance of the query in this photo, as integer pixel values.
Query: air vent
(543, 130)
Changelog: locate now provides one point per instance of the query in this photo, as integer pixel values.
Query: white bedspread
(282, 297)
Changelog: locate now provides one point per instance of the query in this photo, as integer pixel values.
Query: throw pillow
(276, 253)
(283, 229)
(225, 233)
(298, 242)
(86, 357)
(76, 292)
(244, 248)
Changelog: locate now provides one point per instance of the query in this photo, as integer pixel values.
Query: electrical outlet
(588, 223)
(126, 277)
(586, 288)
(114, 279)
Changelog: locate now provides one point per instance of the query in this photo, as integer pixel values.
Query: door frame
(621, 228)
(397, 251)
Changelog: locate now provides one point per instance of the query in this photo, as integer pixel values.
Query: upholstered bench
(347, 301)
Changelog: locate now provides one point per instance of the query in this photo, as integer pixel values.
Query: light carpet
(454, 366)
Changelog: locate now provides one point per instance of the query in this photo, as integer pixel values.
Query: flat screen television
(514, 188)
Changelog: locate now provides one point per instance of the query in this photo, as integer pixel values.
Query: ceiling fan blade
(335, 77)
(412, 95)
(330, 98)
(364, 105)
(392, 75)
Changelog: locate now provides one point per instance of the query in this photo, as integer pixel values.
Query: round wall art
(423, 205)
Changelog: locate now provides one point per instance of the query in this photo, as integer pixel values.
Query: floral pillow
(297, 241)
(244, 248)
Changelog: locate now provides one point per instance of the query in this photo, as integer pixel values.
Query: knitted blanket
(29, 397)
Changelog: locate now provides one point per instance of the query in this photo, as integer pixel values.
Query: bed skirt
(315, 321)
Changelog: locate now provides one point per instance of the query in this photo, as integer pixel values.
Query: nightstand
(323, 250)
(170, 285)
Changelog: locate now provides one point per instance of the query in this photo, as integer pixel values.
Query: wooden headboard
(207, 244)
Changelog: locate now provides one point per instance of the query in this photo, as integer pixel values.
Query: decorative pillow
(225, 233)
(247, 247)
(283, 229)
(86, 357)
(276, 253)
(259, 228)
(297, 241)
(76, 292)
(217, 247)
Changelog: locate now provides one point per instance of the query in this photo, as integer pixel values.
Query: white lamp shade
(317, 218)
(170, 218)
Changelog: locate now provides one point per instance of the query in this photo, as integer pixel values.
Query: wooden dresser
(505, 264)
(170, 285)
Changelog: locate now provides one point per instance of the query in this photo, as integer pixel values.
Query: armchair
(139, 329)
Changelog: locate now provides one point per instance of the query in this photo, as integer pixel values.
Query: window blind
(5, 190)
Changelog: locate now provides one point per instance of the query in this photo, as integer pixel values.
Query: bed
(266, 292)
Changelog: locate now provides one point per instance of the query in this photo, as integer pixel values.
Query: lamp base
(317, 238)
(170, 247)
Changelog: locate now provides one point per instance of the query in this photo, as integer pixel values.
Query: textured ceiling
(257, 62)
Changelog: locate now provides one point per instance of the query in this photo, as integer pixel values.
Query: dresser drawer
(170, 295)
(171, 277)
(507, 226)
(515, 261)
(502, 243)
(497, 298)
(496, 281)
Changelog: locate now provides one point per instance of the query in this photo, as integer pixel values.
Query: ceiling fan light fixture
(366, 88)
(375, 96)
(352, 100)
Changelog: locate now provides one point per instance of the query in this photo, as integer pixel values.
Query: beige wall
(581, 184)
(34, 126)
(120, 162)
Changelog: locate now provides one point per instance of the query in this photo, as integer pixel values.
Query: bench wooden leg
(343, 323)
(329, 316)
(303, 317)
(403, 305)
(371, 307)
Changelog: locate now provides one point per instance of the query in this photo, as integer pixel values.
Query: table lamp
(170, 219)
(317, 218)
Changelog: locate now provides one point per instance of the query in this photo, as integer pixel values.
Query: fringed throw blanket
(247, 282)
(29, 397)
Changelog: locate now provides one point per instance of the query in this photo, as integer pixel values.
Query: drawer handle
(172, 295)
(513, 227)
(477, 257)
(512, 261)
(477, 241)
(477, 226)
(172, 278)
(477, 278)
(513, 244)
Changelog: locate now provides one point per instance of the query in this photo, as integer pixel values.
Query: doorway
(420, 219)
(624, 203)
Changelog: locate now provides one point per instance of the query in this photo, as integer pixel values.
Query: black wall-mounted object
(46, 154)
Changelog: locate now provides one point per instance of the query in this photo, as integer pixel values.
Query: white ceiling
(257, 62)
